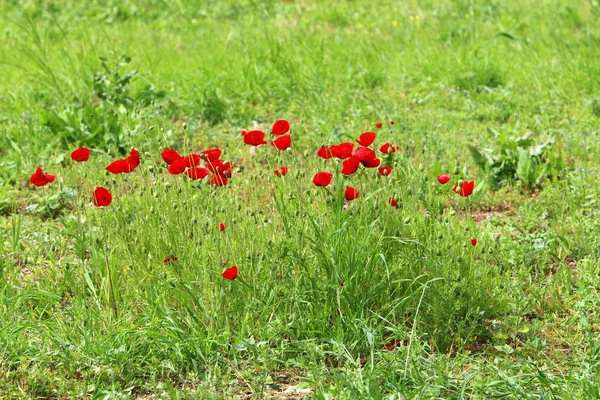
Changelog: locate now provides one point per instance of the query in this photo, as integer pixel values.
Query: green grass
(89, 309)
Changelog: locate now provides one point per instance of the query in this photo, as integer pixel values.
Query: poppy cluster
(280, 129)
(191, 165)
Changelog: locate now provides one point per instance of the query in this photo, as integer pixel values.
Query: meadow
(454, 257)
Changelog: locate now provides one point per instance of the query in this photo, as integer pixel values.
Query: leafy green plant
(514, 159)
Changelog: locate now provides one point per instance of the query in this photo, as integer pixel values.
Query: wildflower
(443, 179)
(168, 260)
(465, 189)
(281, 171)
(474, 242)
(388, 148)
(322, 178)
(364, 154)
(392, 122)
(342, 151)
(255, 138)
(125, 165)
(280, 127)
(218, 180)
(230, 273)
(282, 142)
(81, 154)
(39, 178)
(222, 227)
(211, 155)
(393, 202)
(374, 163)
(197, 173)
(178, 166)
(102, 197)
(170, 156)
(366, 139)
(379, 125)
(351, 193)
(385, 171)
(350, 165)
(324, 152)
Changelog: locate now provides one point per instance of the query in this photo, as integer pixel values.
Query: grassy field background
(88, 308)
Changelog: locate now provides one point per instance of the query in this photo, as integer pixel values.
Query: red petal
(197, 173)
(117, 166)
(178, 166)
(81, 154)
(102, 197)
(222, 227)
(366, 139)
(351, 193)
(218, 180)
(385, 171)
(280, 127)
(230, 273)
(282, 142)
(342, 151)
(211, 155)
(322, 178)
(350, 165)
(372, 163)
(254, 138)
(170, 156)
(324, 152)
(443, 179)
(365, 154)
(192, 160)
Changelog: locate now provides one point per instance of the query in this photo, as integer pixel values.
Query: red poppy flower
(474, 242)
(218, 180)
(392, 122)
(178, 166)
(282, 142)
(282, 171)
(222, 227)
(211, 155)
(393, 202)
(388, 148)
(280, 127)
(243, 132)
(255, 138)
(230, 273)
(170, 156)
(132, 161)
(192, 160)
(366, 139)
(385, 171)
(220, 168)
(443, 179)
(342, 151)
(379, 125)
(81, 154)
(371, 163)
(466, 189)
(324, 152)
(322, 178)
(169, 259)
(125, 165)
(197, 173)
(39, 178)
(102, 197)
(365, 154)
(351, 193)
(350, 165)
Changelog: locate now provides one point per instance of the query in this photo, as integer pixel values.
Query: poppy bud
(151, 169)
(459, 259)
(305, 153)
(438, 253)
(184, 125)
(441, 236)
(407, 220)
(289, 150)
(456, 170)
(461, 183)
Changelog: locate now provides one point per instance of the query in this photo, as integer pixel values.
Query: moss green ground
(89, 309)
